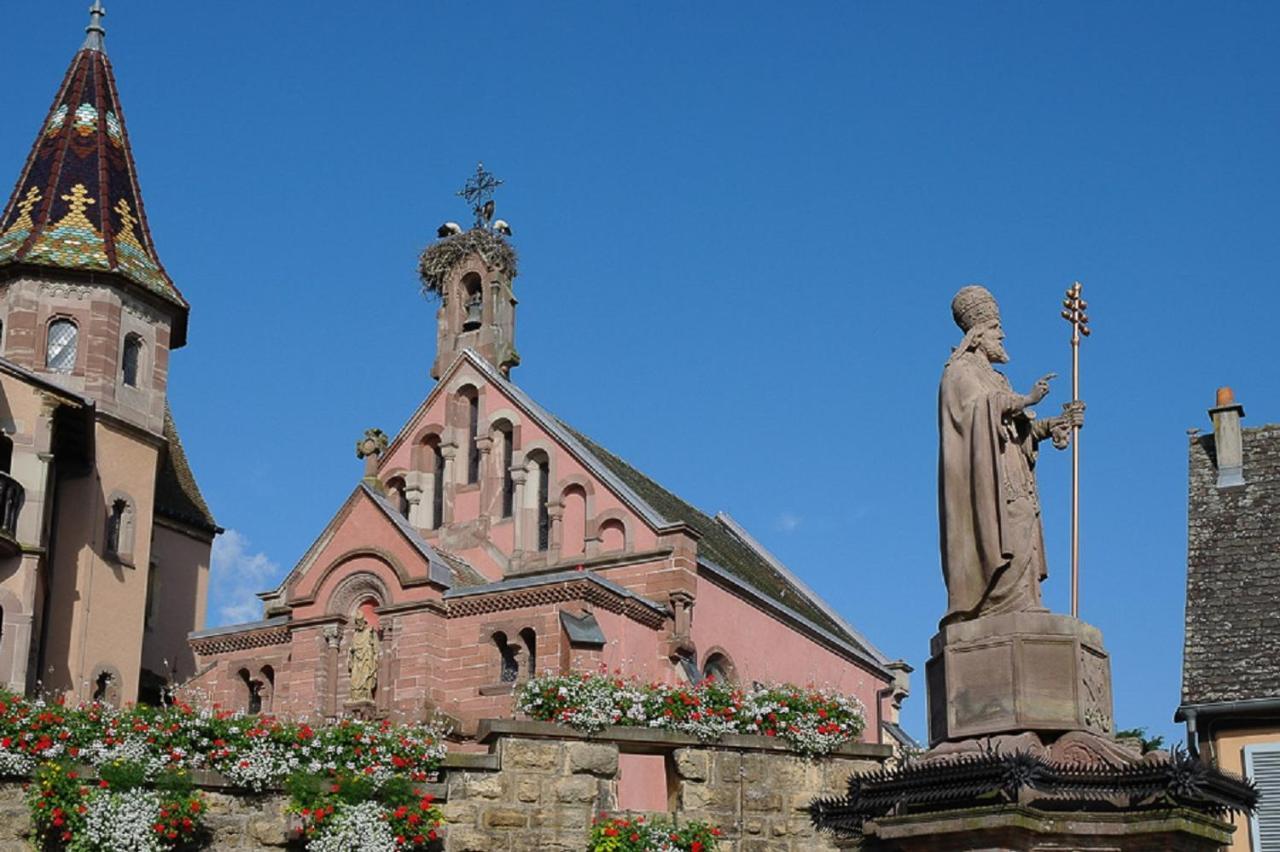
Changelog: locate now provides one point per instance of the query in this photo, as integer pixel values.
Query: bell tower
(472, 273)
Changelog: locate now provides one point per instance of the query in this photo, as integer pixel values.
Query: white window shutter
(1262, 765)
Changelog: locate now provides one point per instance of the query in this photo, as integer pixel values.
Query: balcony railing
(11, 496)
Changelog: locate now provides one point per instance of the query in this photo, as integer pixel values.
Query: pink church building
(488, 540)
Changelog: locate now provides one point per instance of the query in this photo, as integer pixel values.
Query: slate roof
(77, 204)
(1232, 641)
(177, 495)
(717, 542)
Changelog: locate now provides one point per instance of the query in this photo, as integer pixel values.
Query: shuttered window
(1262, 764)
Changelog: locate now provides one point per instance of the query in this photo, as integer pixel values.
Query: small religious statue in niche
(362, 660)
(993, 555)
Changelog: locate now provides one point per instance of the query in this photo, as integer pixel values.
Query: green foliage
(1140, 734)
(812, 720)
(638, 834)
(123, 775)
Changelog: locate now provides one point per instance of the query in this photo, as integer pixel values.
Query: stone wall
(539, 787)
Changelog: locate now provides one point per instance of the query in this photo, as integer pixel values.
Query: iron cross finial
(478, 192)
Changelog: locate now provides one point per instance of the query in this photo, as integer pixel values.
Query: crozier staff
(989, 510)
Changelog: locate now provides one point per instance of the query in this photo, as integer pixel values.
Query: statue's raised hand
(1041, 388)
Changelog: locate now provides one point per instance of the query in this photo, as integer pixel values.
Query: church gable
(366, 552)
(489, 476)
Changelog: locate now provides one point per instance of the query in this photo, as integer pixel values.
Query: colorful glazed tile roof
(77, 204)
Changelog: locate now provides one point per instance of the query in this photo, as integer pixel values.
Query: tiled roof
(177, 495)
(1232, 643)
(720, 545)
(77, 204)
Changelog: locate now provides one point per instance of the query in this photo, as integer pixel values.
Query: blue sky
(740, 229)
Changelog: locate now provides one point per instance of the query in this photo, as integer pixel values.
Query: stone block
(270, 829)
(576, 788)
(531, 754)
(694, 797)
(487, 786)
(505, 818)
(728, 766)
(1022, 671)
(693, 764)
(528, 788)
(458, 813)
(761, 798)
(595, 758)
(460, 839)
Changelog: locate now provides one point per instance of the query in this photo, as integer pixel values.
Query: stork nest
(440, 258)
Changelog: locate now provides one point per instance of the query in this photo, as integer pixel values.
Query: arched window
(506, 435)
(613, 536)
(573, 524)
(530, 640)
(720, 667)
(510, 656)
(252, 692)
(472, 401)
(436, 460)
(131, 360)
(100, 686)
(395, 494)
(60, 349)
(544, 512)
(473, 302)
(120, 528)
(266, 688)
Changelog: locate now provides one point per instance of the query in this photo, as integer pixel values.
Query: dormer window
(130, 359)
(60, 350)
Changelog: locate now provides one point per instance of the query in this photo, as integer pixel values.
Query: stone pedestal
(365, 711)
(1025, 829)
(1023, 671)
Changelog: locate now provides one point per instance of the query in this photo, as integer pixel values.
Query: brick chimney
(1227, 440)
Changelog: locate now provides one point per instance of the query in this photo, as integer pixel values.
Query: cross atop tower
(478, 192)
(95, 32)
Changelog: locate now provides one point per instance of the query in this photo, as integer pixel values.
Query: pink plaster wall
(642, 782)
(764, 649)
(363, 528)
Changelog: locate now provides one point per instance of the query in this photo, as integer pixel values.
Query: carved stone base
(1014, 828)
(1080, 748)
(1023, 671)
(365, 711)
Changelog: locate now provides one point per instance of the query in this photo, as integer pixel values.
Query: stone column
(518, 476)
(332, 641)
(484, 443)
(449, 452)
(555, 512)
(415, 484)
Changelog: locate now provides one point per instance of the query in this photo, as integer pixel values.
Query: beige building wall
(1228, 754)
(100, 602)
(178, 595)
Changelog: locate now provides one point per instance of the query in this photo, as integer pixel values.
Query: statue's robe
(989, 512)
(363, 664)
